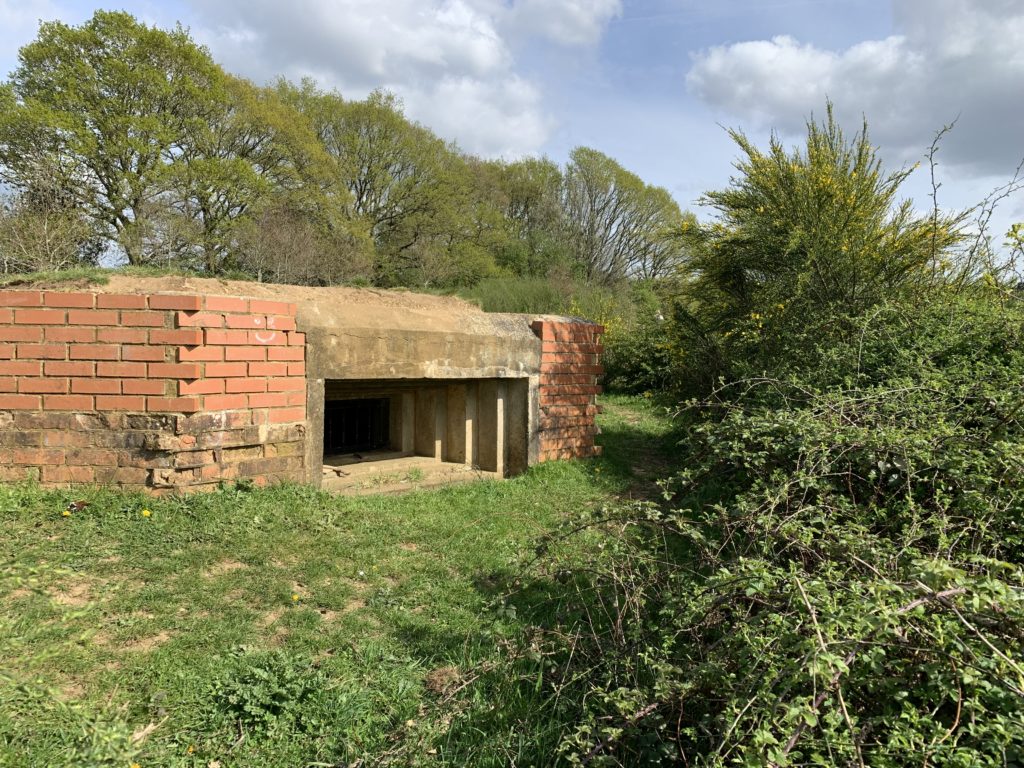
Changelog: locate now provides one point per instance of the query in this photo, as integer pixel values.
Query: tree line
(123, 141)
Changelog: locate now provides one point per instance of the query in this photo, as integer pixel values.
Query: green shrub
(837, 579)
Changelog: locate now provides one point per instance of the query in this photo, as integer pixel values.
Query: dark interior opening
(356, 425)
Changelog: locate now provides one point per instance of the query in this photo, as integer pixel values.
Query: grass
(280, 627)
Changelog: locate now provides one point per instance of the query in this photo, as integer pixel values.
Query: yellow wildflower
(66, 513)
(146, 513)
(295, 598)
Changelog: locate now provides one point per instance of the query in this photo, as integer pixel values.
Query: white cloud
(567, 22)
(451, 61)
(950, 58)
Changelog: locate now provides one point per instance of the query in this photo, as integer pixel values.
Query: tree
(617, 226)
(532, 198)
(40, 231)
(108, 106)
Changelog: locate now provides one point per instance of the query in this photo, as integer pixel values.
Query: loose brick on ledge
(226, 304)
(186, 303)
(271, 307)
(21, 299)
(77, 300)
(120, 301)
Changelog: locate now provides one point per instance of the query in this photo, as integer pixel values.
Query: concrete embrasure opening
(418, 433)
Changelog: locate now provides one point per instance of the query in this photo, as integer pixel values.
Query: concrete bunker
(176, 384)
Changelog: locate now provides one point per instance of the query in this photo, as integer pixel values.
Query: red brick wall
(163, 391)
(570, 368)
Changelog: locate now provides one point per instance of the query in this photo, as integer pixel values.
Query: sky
(652, 83)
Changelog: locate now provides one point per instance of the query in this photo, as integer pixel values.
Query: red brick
(218, 336)
(146, 354)
(42, 351)
(225, 402)
(120, 403)
(42, 386)
(297, 369)
(174, 404)
(95, 387)
(121, 370)
(226, 304)
(67, 402)
(93, 351)
(12, 333)
(80, 335)
(286, 384)
(268, 400)
(38, 456)
(69, 369)
(93, 317)
(6, 316)
(120, 301)
(63, 474)
(21, 299)
(143, 387)
(39, 316)
(281, 323)
(188, 337)
(58, 299)
(174, 370)
(8, 384)
(6, 351)
(291, 353)
(90, 457)
(19, 402)
(268, 369)
(245, 353)
(296, 339)
(202, 387)
(19, 368)
(271, 307)
(200, 320)
(200, 354)
(188, 303)
(226, 369)
(122, 335)
(246, 321)
(284, 415)
(148, 319)
(233, 386)
(297, 398)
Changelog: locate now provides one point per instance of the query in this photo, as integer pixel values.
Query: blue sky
(649, 82)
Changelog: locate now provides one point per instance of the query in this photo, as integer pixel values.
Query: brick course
(131, 389)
